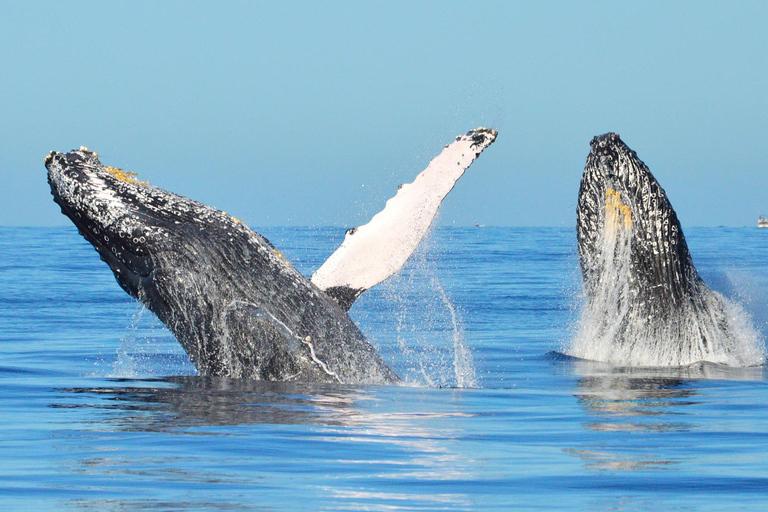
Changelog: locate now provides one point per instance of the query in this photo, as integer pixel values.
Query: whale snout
(67, 176)
(602, 141)
(612, 163)
(606, 150)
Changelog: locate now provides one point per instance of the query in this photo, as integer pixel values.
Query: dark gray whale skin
(237, 307)
(664, 280)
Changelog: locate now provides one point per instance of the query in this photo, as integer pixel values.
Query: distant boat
(762, 222)
(479, 225)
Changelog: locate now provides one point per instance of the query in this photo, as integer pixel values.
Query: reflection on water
(657, 402)
(616, 398)
(376, 439)
(611, 461)
(177, 403)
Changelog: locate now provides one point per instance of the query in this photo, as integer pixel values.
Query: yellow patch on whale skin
(127, 177)
(617, 214)
(282, 257)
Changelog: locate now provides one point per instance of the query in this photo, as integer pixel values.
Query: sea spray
(125, 364)
(463, 366)
(431, 344)
(619, 326)
(147, 348)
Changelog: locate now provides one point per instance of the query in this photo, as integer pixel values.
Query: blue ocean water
(101, 410)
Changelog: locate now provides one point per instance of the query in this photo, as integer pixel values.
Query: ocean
(102, 410)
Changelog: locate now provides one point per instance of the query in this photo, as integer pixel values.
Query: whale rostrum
(231, 299)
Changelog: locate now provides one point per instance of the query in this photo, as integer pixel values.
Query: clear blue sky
(311, 113)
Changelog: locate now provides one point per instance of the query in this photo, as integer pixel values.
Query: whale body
(231, 299)
(646, 304)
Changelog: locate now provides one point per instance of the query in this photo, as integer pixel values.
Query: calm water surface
(101, 410)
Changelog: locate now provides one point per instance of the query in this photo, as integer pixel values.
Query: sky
(311, 113)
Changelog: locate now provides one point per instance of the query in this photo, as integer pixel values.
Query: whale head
(112, 210)
(623, 209)
(646, 303)
(131, 223)
(166, 250)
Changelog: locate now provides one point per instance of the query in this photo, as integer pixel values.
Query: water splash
(617, 326)
(462, 356)
(751, 291)
(147, 348)
(126, 363)
(430, 338)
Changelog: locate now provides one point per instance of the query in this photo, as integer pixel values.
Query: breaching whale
(646, 305)
(231, 299)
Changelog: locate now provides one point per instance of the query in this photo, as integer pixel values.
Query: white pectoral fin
(374, 251)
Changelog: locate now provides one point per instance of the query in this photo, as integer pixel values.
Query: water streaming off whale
(431, 349)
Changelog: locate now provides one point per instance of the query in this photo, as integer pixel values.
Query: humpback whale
(646, 304)
(231, 299)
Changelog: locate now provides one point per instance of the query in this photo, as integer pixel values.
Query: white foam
(615, 326)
